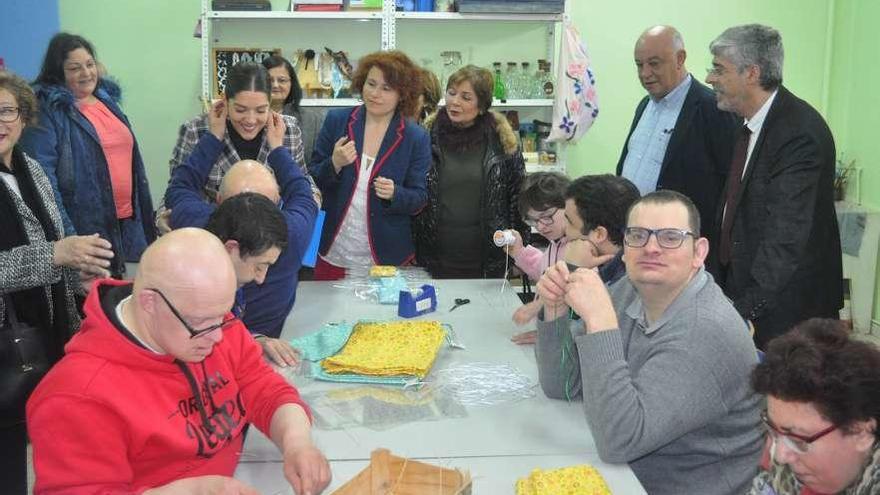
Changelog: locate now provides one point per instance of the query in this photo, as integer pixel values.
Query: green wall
(611, 28)
(854, 102)
(148, 46)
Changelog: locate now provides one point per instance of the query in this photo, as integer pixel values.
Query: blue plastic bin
(415, 5)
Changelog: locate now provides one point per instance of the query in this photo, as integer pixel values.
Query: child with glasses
(594, 217)
(542, 206)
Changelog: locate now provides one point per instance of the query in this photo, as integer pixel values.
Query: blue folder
(311, 255)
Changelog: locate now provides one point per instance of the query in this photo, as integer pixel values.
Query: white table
(504, 441)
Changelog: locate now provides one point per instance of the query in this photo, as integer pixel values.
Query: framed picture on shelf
(224, 58)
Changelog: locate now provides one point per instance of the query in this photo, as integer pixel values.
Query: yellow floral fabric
(573, 480)
(389, 349)
(378, 271)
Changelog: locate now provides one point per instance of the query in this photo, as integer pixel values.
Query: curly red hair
(400, 73)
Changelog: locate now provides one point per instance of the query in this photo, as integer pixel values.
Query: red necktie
(734, 181)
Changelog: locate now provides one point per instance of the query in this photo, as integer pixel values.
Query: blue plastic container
(411, 304)
(415, 5)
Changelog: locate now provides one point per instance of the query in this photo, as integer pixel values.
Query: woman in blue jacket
(370, 162)
(86, 146)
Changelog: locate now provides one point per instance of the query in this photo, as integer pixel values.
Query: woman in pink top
(86, 147)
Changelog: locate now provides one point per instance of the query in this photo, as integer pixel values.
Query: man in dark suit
(778, 251)
(679, 139)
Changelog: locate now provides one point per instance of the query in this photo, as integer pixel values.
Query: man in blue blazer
(778, 251)
(679, 139)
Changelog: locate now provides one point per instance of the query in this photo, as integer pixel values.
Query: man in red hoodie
(156, 389)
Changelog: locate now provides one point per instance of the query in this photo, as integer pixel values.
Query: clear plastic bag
(367, 288)
(483, 384)
(380, 408)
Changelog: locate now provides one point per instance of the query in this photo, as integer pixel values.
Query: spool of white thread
(503, 238)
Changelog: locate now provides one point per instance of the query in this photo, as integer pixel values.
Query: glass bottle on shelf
(511, 77)
(526, 81)
(451, 63)
(537, 83)
(547, 81)
(499, 90)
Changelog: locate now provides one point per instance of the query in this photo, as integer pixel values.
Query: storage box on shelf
(511, 6)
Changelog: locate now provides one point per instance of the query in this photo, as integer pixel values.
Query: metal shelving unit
(279, 14)
(389, 19)
(329, 102)
(455, 16)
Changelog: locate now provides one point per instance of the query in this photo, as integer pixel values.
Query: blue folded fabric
(318, 373)
(389, 288)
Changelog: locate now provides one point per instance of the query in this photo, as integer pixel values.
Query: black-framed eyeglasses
(637, 237)
(545, 219)
(798, 443)
(193, 333)
(9, 115)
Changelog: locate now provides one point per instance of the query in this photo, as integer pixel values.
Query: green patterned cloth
(327, 341)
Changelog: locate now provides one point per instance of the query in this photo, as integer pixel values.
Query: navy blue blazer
(698, 154)
(404, 157)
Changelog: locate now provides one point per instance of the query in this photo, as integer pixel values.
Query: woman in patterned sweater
(247, 99)
(38, 265)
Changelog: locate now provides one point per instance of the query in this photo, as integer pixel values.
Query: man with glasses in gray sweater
(661, 358)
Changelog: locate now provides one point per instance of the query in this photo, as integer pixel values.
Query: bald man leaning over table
(155, 391)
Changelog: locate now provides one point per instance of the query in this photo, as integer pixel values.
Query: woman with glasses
(88, 150)
(286, 98)
(473, 184)
(823, 408)
(39, 268)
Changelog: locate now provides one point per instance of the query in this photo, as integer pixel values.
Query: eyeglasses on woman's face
(797, 443)
(9, 115)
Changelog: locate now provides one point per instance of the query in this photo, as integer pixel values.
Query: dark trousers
(13, 451)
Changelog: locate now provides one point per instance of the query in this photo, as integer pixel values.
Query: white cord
(506, 267)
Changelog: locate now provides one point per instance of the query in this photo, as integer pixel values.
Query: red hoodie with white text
(113, 417)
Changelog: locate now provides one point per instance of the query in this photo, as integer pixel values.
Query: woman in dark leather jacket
(473, 183)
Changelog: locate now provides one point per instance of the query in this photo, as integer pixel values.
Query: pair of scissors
(459, 302)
